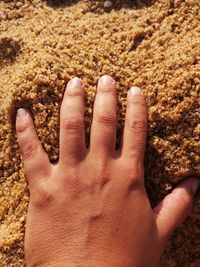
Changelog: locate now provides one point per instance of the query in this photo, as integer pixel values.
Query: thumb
(175, 207)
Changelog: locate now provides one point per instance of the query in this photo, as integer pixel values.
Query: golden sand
(151, 44)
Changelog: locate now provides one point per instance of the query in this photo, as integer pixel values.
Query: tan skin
(91, 208)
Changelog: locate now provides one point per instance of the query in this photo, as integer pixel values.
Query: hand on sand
(91, 208)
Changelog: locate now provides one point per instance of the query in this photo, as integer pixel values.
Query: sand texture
(151, 44)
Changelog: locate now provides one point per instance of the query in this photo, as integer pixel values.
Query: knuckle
(42, 196)
(22, 127)
(72, 124)
(134, 182)
(102, 173)
(28, 150)
(102, 177)
(106, 120)
(134, 176)
(139, 126)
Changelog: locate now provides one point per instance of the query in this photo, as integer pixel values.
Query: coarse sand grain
(151, 44)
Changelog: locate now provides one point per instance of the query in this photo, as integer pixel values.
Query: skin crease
(91, 208)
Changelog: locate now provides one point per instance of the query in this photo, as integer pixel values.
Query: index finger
(135, 130)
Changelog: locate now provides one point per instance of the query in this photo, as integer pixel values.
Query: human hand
(91, 208)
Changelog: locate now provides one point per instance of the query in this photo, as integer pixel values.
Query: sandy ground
(151, 44)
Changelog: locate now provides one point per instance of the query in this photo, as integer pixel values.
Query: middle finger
(103, 131)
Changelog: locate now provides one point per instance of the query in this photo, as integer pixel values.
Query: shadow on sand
(117, 4)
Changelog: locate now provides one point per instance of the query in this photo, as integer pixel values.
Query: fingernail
(135, 91)
(21, 113)
(75, 82)
(106, 80)
(195, 185)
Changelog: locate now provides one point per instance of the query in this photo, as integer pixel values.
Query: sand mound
(151, 44)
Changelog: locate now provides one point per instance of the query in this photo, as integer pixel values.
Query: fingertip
(135, 91)
(23, 120)
(22, 113)
(75, 86)
(191, 185)
(136, 97)
(106, 80)
(106, 84)
(75, 82)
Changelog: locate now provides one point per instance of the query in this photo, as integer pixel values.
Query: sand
(151, 44)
